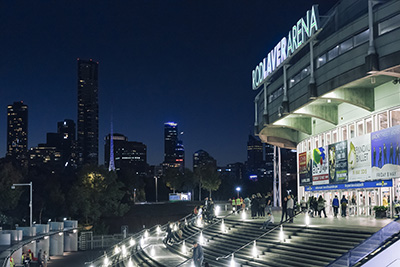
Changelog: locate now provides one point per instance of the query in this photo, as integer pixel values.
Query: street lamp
(155, 179)
(238, 190)
(30, 200)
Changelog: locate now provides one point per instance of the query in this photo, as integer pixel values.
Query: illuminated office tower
(88, 112)
(174, 152)
(17, 132)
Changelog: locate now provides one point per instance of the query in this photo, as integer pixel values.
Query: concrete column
(17, 256)
(56, 226)
(44, 245)
(42, 228)
(27, 231)
(71, 241)
(5, 239)
(57, 244)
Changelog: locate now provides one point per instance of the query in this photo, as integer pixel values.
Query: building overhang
(360, 93)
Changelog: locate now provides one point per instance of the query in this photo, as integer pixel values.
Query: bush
(380, 208)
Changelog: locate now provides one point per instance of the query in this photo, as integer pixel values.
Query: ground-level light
(217, 210)
(281, 235)
(184, 250)
(223, 226)
(233, 260)
(255, 252)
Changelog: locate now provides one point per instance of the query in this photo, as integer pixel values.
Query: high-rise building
(17, 132)
(88, 112)
(45, 156)
(127, 154)
(170, 142)
(254, 153)
(201, 158)
(174, 151)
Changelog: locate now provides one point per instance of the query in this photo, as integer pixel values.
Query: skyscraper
(17, 132)
(202, 158)
(254, 153)
(174, 151)
(88, 112)
(128, 155)
(170, 142)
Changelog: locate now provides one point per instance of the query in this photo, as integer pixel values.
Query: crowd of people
(27, 258)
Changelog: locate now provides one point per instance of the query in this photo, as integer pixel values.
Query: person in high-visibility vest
(238, 204)
(12, 263)
(233, 204)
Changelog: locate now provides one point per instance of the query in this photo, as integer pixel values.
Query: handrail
(382, 236)
(218, 220)
(141, 233)
(252, 242)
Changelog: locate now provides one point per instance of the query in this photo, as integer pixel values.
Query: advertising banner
(367, 184)
(320, 167)
(359, 158)
(305, 168)
(385, 161)
(338, 162)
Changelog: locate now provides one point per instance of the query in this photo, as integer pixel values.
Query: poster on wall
(320, 167)
(359, 158)
(305, 168)
(385, 159)
(337, 157)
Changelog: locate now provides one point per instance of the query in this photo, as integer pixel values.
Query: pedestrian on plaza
(303, 204)
(233, 204)
(290, 207)
(315, 206)
(198, 255)
(270, 220)
(396, 205)
(284, 209)
(247, 203)
(238, 204)
(269, 202)
(335, 205)
(39, 257)
(321, 206)
(169, 233)
(206, 264)
(262, 203)
(343, 204)
(44, 259)
(254, 206)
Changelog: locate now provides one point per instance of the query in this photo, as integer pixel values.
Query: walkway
(158, 251)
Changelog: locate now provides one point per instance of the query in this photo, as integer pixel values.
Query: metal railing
(261, 236)
(368, 246)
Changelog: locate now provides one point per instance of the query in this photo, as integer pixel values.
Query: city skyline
(151, 71)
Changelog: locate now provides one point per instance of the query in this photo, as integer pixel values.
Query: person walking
(303, 204)
(270, 220)
(198, 255)
(343, 204)
(284, 209)
(39, 258)
(335, 205)
(269, 202)
(262, 203)
(169, 233)
(321, 206)
(254, 206)
(247, 203)
(290, 207)
(238, 204)
(44, 259)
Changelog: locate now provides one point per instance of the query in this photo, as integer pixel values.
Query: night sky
(167, 60)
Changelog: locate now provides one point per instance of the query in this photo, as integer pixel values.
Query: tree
(132, 181)
(97, 194)
(9, 198)
(174, 179)
(210, 178)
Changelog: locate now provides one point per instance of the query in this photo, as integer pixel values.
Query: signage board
(385, 160)
(297, 36)
(359, 158)
(305, 168)
(338, 162)
(320, 167)
(366, 184)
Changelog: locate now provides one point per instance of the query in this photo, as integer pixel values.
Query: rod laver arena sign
(299, 34)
